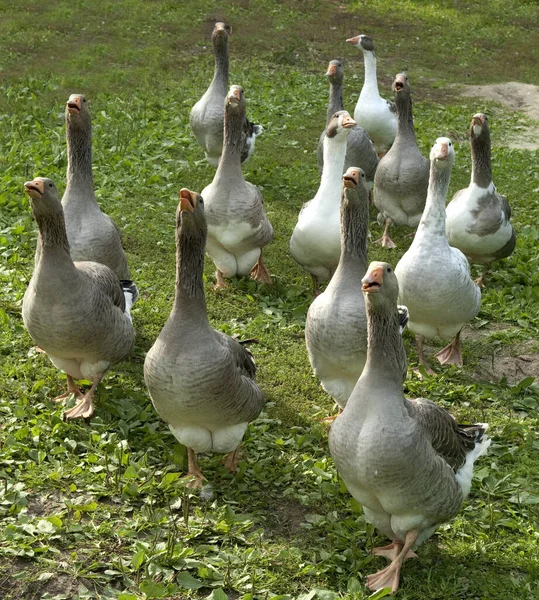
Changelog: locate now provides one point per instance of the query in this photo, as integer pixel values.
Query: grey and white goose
(407, 462)
(76, 312)
(201, 381)
(207, 114)
(402, 176)
(92, 235)
(478, 217)
(238, 227)
(360, 151)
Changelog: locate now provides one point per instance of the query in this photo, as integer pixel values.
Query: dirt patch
(516, 96)
(288, 516)
(513, 368)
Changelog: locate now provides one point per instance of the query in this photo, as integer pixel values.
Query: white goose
(434, 278)
(478, 217)
(376, 115)
(316, 241)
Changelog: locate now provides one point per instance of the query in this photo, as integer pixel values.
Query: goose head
(43, 196)
(77, 111)
(363, 42)
(340, 124)
(401, 85)
(335, 72)
(442, 154)
(190, 218)
(380, 285)
(219, 36)
(235, 99)
(352, 178)
(478, 125)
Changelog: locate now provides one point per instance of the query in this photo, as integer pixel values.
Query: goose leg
(230, 461)
(451, 354)
(480, 280)
(385, 240)
(85, 408)
(419, 339)
(329, 420)
(316, 288)
(194, 470)
(260, 272)
(72, 388)
(390, 576)
(391, 551)
(221, 282)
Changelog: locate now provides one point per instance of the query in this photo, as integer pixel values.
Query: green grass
(99, 510)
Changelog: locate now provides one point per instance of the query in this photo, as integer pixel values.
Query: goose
(406, 461)
(402, 177)
(360, 150)
(76, 312)
(238, 227)
(434, 278)
(478, 217)
(336, 324)
(316, 242)
(92, 235)
(200, 380)
(376, 115)
(207, 114)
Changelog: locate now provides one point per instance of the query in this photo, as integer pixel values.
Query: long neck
(230, 162)
(386, 358)
(334, 155)
(52, 240)
(371, 84)
(405, 117)
(189, 298)
(433, 219)
(481, 169)
(336, 102)
(220, 75)
(354, 230)
(79, 159)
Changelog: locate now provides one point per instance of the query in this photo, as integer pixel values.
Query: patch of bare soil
(513, 368)
(523, 97)
(288, 516)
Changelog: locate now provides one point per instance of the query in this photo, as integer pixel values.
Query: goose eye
(50, 184)
(388, 270)
(450, 144)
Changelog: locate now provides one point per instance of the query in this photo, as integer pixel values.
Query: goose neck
(481, 168)
(334, 156)
(403, 103)
(370, 85)
(79, 156)
(336, 102)
(52, 239)
(220, 75)
(354, 229)
(433, 219)
(232, 143)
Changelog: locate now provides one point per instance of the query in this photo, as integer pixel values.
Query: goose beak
(348, 122)
(351, 178)
(188, 200)
(234, 96)
(35, 189)
(332, 70)
(372, 282)
(353, 40)
(441, 151)
(399, 83)
(74, 105)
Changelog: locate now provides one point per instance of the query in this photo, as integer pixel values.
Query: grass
(98, 510)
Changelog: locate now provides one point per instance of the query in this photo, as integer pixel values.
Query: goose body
(316, 242)
(78, 313)
(434, 278)
(208, 113)
(238, 227)
(406, 461)
(478, 217)
(360, 151)
(92, 235)
(373, 113)
(402, 177)
(336, 325)
(201, 381)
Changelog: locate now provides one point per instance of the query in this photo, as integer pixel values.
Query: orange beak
(74, 105)
(188, 200)
(353, 40)
(35, 189)
(372, 282)
(443, 151)
(332, 69)
(351, 178)
(348, 122)
(234, 96)
(399, 83)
